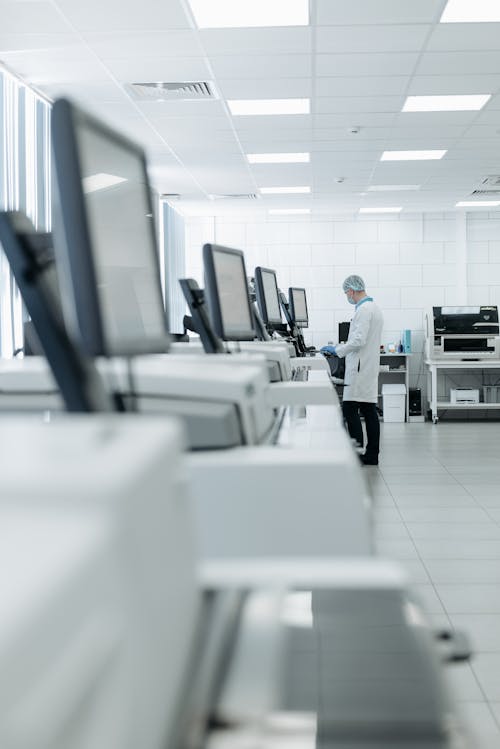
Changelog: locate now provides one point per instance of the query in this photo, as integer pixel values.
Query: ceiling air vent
(176, 91)
(170, 196)
(236, 196)
(489, 186)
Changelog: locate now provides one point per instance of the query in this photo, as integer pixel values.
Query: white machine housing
(276, 356)
(221, 404)
(464, 395)
(224, 401)
(99, 594)
(463, 333)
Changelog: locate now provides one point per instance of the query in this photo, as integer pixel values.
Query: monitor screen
(109, 251)
(227, 293)
(266, 288)
(298, 306)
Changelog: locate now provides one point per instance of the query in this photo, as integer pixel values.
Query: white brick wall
(409, 263)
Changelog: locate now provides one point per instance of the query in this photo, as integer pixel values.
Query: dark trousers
(351, 410)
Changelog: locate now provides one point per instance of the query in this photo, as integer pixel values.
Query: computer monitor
(32, 263)
(298, 306)
(195, 298)
(226, 291)
(105, 238)
(266, 288)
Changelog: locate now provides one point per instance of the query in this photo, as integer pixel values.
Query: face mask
(351, 300)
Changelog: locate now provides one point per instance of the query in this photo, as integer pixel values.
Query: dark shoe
(367, 461)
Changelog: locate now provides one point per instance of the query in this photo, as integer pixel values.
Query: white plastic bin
(394, 402)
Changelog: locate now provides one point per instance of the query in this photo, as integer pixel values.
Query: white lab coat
(362, 353)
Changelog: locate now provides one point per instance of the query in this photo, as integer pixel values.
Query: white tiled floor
(437, 509)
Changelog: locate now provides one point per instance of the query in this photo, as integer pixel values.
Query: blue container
(406, 341)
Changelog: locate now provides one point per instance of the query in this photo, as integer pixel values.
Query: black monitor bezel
(81, 386)
(74, 250)
(299, 323)
(213, 299)
(261, 296)
(195, 299)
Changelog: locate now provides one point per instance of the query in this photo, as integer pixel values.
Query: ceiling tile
(71, 65)
(159, 69)
(36, 17)
(197, 110)
(351, 39)
(379, 12)
(423, 85)
(262, 66)
(357, 104)
(493, 104)
(174, 179)
(345, 119)
(265, 41)
(458, 63)
(263, 88)
(275, 124)
(381, 63)
(291, 143)
(117, 15)
(484, 131)
(351, 148)
(132, 44)
(33, 41)
(281, 174)
(362, 86)
(429, 119)
(232, 180)
(488, 117)
(97, 92)
(457, 37)
(445, 132)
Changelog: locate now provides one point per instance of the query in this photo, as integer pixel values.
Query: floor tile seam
(459, 482)
(476, 651)
(422, 561)
(480, 686)
(477, 612)
(486, 510)
(496, 717)
(488, 705)
(420, 558)
(435, 521)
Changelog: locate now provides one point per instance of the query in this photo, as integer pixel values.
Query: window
(24, 185)
(172, 263)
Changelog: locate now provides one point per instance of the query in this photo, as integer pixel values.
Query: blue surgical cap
(355, 283)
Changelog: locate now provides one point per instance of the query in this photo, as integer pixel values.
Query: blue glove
(330, 350)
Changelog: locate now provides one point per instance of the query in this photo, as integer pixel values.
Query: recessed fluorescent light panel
(278, 158)
(288, 211)
(284, 190)
(268, 106)
(392, 188)
(100, 181)
(412, 155)
(220, 14)
(453, 103)
(466, 11)
(478, 204)
(384, 209)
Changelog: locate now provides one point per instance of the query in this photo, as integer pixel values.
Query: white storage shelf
(434, 366)
(481, 406)
(393, 371)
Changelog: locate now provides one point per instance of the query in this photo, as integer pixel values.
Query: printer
(463, 333)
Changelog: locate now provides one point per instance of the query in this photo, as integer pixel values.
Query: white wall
(409, 263)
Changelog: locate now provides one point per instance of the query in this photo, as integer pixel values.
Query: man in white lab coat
(362, 360)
